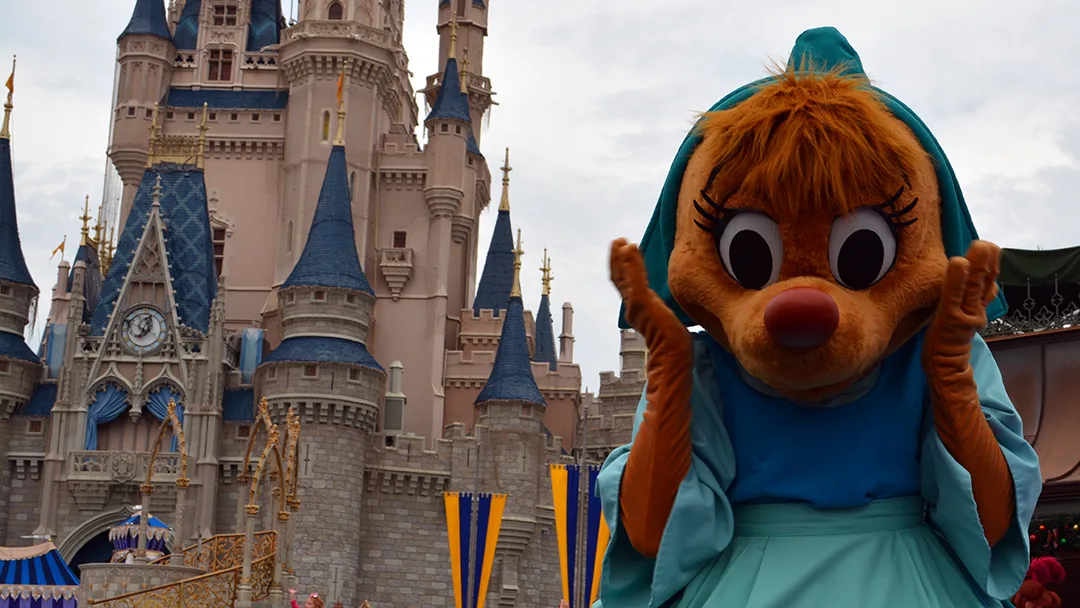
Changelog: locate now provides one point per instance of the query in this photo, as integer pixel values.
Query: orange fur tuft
(809, 141)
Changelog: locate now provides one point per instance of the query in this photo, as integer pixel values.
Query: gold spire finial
(548, 277)
(99, 227)
(339, 138)
(5, 129)
(453, 37)
(504, 203)
(200, 154)
(465, 71)
(518, 252)
(155, 131)
(86, 222)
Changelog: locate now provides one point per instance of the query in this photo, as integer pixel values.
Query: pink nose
(801, 317)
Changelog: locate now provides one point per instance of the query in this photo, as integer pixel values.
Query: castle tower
(89, 254)
(462, 27)
(146, 56)
(20, 367)
(511, 433)
(323, 369)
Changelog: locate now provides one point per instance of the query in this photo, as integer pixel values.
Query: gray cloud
(596, 97)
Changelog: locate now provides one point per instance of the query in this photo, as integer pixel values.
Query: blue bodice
(841, 456)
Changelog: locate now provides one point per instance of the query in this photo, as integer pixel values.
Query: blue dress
(854, 504)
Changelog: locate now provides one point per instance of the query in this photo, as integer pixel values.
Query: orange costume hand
(660, 455)
(958, 417)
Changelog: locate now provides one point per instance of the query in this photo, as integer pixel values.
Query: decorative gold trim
(178, 430)
(178, 149)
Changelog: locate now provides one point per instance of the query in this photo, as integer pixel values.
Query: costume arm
(660, 456)
(963, 428)
(294, 605)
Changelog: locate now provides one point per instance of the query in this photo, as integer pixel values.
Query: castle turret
(146, 56)
(89, 254)
(545, 328)
(510, 429)
(20, 367)
(322, 369)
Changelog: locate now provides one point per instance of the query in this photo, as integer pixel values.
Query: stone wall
(100, 581)
(23, 449)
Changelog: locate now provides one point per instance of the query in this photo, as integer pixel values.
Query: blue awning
(38, 566)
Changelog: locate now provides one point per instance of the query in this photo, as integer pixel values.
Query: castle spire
(453, 37)
(85, 223)
(465, 72)
(511, 378)
(545, 327)
(451, 103)
(148, 19)
(329, 258)
(504, 202)
(12, 263)
(5, 129)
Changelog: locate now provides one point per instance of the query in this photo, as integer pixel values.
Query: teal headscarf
(826, 48)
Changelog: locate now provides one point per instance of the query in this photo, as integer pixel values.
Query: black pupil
(751, 259)
(860, 260)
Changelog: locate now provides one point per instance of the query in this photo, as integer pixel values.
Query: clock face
(143, 330)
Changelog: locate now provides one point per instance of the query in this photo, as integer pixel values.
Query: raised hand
(645, 311)
(969, 287)
(958, 417)
(660, 455)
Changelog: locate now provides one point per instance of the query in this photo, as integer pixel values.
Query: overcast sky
(595, 97)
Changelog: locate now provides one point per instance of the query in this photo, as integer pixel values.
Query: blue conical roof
(329, 258)
(12, 263)
(493, 292)
(148, 19)
(511, 377)
(545, 334)
(451, 103)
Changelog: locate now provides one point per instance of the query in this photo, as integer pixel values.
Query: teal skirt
(882, 555)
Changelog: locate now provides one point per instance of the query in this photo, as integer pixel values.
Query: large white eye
(751, 249)
(862, 248)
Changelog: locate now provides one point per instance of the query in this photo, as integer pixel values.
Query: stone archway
(89, 529)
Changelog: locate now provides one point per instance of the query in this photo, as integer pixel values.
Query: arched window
(288, 237)
(335, 12)
(325, 126)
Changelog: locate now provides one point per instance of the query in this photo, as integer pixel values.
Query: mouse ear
(825, 49)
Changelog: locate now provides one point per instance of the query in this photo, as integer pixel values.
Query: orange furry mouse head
(806, 224)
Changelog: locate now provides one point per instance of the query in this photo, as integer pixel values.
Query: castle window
(191, 116)
(243, 431)
(319, 296)
(445, 128)
(311, 371)
(352, 186)
(219, 250)
(400, 239)
(220, 65)
(457, 129)
(4, 367)
(131, 111)
(149, 113)
(212, 115)
(350, 299)
(461, 9)
(35, 427)
(254, 118)
(234, 117)
(354, 375)
(271, 373)
(224, 15)
(335, 12)
(168, 115)
(277, 117)
(290, 297)
(325, 126)
(5, 290)
(288, 237)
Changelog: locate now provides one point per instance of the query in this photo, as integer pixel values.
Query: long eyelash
(716, 218)
(888, 209)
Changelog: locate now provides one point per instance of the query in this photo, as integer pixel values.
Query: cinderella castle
(286, 247)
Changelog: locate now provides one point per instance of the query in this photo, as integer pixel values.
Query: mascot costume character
(838, 435)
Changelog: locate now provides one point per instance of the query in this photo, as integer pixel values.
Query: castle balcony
(92, 476)
(396, 266)
(123, 467)
(477, 85)
(348, 30)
